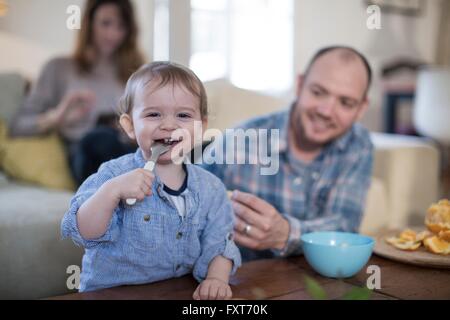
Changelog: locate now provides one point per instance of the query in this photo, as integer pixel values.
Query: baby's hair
(164, 72)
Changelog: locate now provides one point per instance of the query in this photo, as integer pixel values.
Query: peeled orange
(437, 245)
(437, 218)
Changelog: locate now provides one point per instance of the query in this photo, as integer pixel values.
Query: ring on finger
(247, 229)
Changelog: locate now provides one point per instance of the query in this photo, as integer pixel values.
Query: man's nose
(327, 107)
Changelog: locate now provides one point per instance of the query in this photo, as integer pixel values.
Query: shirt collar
(342, 142)
(192, 181)
(284, 130)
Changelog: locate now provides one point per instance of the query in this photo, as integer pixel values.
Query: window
(161, 30)
(209, 38)
(248, 42)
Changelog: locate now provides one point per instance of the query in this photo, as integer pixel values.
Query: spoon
(157, 150)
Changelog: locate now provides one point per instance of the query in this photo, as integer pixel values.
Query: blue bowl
(337, 254)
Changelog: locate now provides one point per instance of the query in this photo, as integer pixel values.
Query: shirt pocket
(144, 230)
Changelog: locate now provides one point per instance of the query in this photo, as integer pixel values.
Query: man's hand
(258, 224)
(212, 289)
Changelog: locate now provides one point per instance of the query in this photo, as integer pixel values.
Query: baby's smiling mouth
(169, 141)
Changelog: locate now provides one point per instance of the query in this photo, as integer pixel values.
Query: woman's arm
(36, 114)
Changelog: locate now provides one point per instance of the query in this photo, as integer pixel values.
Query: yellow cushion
(39, 160)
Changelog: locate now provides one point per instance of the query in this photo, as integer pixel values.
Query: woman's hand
(77, 107)
(73, 108)
(213, 289)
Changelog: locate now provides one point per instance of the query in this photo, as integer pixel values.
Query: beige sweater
(59, 77)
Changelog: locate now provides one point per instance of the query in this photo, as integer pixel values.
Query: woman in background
(76, 96)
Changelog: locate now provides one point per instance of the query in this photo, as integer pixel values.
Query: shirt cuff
(69, 227)
(293, 242)
(227, 249)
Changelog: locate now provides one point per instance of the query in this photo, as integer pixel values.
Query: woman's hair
(127, 57)
(163, 72)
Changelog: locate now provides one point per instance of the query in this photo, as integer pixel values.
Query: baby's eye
(152, 115)
(184, 115)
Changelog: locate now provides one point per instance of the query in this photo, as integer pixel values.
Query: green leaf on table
(314, 289)
(357, 293)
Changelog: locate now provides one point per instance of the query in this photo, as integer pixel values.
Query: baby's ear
(127, 125)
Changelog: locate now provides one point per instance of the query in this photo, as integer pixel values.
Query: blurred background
(256, 44)
(248, 53)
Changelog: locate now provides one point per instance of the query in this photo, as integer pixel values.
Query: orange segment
(402, 244)
(408, 235)
(444, 235)
(436, 245)
(423, 235)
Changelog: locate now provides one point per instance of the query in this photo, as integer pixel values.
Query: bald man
(325, 161)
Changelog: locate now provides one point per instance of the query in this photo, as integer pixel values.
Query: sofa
(34, 260)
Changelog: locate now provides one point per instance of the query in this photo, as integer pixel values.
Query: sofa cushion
(12, 90)
(38, 160)
(376, 211)
(409, 169)
(3, 179)
(34, 259)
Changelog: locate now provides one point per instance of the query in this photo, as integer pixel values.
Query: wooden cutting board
(420, 257)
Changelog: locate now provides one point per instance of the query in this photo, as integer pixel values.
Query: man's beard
(298, 133)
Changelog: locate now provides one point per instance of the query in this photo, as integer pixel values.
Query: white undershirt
(180, 203)
(178, 197)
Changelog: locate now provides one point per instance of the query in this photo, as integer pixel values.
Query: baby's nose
(168, 123)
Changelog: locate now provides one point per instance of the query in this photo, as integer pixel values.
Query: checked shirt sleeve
(344, 208)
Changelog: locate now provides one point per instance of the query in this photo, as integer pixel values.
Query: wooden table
(283, 279)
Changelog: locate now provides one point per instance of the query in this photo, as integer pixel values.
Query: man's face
(158, 115)
(330, 99)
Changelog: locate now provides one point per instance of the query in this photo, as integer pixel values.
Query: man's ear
(127, 125)
(300, 82)
(363, 109)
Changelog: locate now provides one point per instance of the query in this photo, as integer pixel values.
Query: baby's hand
(136, 184)
(213, 289)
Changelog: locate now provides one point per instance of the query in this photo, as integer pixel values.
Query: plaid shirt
(326, 194)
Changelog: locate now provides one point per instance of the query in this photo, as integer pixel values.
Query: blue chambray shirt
(150, 241)
(326, 194)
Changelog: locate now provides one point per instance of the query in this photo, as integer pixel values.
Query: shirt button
(179, 235)
(315, 175)
(147, 218)
(297, 181)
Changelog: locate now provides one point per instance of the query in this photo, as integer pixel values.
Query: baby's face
(166, 115)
